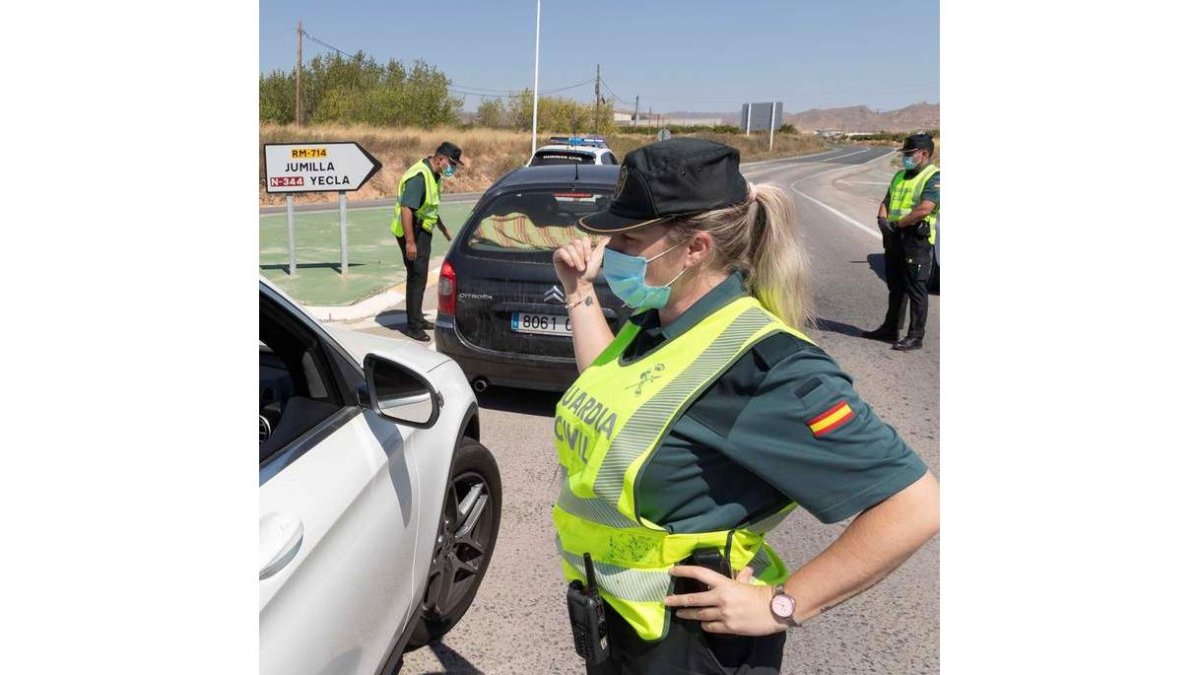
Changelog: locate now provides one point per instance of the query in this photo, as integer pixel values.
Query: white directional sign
(317, 167)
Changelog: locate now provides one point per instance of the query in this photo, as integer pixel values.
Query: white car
(378, 506)
(573, 150)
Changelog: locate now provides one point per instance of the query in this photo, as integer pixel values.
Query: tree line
(358, 90)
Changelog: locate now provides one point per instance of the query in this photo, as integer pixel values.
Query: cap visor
(605, 222)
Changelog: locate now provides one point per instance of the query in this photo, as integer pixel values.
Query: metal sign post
(771, 143)
(317, 167)
(345, 247)
(291, 239)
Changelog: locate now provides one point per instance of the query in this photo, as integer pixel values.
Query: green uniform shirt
(744, 448)
(414, 190)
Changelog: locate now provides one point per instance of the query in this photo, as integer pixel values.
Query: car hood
(360, 344)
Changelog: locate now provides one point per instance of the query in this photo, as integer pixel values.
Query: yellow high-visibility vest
(607, 428)
(427, 215)
(905, 194)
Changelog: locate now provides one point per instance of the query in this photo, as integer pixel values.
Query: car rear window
(549, 157)
(531, 224)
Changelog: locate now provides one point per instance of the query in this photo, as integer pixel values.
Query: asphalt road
(517, 623)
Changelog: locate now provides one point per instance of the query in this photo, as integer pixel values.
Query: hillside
(919, 116)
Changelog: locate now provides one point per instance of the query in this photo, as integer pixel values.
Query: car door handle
(279, 539)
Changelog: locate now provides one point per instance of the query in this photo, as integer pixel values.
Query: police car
(573, 150)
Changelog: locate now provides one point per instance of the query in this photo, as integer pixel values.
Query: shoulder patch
(777, 347)
(831, 419)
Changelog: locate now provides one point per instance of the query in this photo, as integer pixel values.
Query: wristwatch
(783, 606)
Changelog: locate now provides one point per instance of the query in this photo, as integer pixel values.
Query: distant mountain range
(916, 117)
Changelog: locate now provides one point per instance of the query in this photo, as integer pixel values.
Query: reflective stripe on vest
(427, 215)
(607, 428)
(906, 194)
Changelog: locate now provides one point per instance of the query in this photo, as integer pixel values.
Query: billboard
(758, 115)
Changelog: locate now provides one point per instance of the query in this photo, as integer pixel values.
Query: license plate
(545, 324)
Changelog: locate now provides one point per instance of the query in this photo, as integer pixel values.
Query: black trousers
(417, 273)
(688, 649)
(908, 260)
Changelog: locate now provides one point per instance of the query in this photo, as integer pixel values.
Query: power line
(326, 44)
(615, 96)
(484, 93)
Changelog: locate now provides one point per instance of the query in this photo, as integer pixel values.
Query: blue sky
(698, 55)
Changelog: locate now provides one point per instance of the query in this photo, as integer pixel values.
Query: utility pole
(537, 47)
(636, 101)
(299, 61)
(597, 99)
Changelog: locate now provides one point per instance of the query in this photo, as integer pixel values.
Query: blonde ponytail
(761, 237)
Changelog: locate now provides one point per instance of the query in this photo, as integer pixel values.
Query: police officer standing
(908, 221)
(703, 422)
(413, 219)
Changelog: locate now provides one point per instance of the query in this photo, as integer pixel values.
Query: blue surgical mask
(910, 162)
(626, 276)
(448, 171)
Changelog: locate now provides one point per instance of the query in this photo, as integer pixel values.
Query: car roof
(559, 175)
(581, 149)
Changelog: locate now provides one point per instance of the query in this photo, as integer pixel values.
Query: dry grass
(489, 153)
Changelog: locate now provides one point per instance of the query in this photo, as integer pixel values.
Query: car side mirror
(399, 393)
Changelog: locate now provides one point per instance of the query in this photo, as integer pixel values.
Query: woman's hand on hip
(578, 263)
(730, 606)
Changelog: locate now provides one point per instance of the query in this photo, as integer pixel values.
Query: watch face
(783, 606)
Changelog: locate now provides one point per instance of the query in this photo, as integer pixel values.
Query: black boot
(908, 344)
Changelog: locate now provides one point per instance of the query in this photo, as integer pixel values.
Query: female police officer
(707, 418)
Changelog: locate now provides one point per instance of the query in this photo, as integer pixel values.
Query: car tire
(461, 556)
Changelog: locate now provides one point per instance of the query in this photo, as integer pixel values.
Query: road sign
(317, 167)
(664, 134)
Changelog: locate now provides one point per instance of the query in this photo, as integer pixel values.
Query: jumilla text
(588, 412)
(318, 167)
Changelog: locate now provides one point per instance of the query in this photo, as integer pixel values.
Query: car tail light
(447, 290)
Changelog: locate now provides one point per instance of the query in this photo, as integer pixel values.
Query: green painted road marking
(376, 262)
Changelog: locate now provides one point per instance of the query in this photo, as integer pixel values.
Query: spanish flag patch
(831, 419)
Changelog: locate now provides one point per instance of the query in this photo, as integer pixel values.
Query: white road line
(874, 232)
(862, 182)
(840, 168)
(777, 164)
(848, 219)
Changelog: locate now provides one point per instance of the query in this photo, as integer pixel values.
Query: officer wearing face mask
(704, 422)
(413, 220)
(907, 220)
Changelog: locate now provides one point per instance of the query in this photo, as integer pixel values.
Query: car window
(608, 158)
(297, 389)
(551, 157)
(531, 223)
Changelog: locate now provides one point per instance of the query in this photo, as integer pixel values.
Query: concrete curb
(374, 305)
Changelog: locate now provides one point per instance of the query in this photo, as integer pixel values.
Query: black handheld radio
(586, 612)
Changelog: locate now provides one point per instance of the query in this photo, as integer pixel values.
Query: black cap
(921, 141)
(450, 151)
(670, 178)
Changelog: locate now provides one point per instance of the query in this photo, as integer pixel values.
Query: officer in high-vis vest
(706, 419)
(413, 219)
(907, 220)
